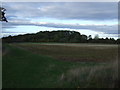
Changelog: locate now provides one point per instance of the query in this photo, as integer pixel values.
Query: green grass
(36, 66)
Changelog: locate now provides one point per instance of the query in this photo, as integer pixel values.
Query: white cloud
(108, 29)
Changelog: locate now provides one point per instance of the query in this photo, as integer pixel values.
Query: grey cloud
(14, 23)
(63, 10)
(12, 32)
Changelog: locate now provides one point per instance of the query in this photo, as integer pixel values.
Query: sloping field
(74, 52)
(34, 65)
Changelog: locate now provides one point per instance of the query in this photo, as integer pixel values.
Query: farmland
(60, 65)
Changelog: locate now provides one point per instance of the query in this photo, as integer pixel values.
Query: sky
(89, 18)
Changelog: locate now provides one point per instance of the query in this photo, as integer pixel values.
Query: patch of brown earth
(75, 59)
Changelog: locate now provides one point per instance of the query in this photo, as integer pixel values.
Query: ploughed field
(74, 52)
(60, 65)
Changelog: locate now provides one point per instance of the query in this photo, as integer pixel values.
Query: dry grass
(103, 76)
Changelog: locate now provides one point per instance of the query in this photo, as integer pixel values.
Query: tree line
(59, 36)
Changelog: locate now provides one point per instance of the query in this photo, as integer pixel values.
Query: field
(56, 65)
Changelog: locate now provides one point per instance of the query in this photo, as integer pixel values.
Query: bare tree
(2, 14)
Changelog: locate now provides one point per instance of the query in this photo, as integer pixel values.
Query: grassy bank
(40, 66)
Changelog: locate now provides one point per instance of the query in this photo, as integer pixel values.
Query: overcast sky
(88, 18)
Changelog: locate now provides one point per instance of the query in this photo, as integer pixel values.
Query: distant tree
(96, 37)
(59, 36)
(2, 14)
(89, 37)
(83, 38)
(118, 41)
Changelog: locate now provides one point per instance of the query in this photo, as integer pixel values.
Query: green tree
(89, 37)
(96, 37)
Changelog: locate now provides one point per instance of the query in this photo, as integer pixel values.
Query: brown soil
(74, 59)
